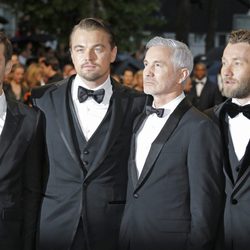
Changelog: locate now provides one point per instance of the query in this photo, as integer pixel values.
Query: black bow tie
(201, 82)
(97, 95)
(150, 110)
(233, 109)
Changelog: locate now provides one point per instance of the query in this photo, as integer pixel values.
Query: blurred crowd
(35, 66)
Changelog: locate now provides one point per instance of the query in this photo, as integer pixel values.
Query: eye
(145, 64)
(237, 63)
(157, 65)
(98, 49)
(79, 50)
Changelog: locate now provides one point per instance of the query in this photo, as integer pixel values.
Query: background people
(203, 94)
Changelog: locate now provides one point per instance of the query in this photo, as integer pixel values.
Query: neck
(159, 101)
(243, 101)
(94, 84)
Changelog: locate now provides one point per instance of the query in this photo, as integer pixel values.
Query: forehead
(158, 53)
(92, 37)
(237, 51)
(199, 67)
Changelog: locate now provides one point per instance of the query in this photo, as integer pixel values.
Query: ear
(183, 74)
(113, 54)
(8, 67)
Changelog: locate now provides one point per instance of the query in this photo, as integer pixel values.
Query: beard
(93, 76)
(240, 92)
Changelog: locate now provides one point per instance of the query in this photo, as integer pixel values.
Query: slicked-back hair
(181, 55)
(239, 36)
(92, 23)
(7, 46)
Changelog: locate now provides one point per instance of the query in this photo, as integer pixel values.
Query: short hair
(239, 36)
(7, 46)
(181, 57)
(92, 23)
(51, 61)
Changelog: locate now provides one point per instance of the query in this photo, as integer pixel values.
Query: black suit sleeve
(205, 170)
(32, 178)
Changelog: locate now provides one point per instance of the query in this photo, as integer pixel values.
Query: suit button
(86, 152)
(237, 169)
(136, 196)
(234, 201)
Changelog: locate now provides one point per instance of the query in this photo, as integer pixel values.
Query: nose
(89, 55)
(148, 71)
(226, 70)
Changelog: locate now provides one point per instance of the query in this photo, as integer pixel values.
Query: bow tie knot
(97, 95)
(200, 82)
(151, 110)
(233, 109)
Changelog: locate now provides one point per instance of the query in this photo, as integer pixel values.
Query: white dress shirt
(90, 113)
(239, 127)
(150, 129)
(200, 85)
(3, 111)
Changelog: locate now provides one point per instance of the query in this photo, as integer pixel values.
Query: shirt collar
(203, 80)
(3, 104)
(234, 100)
(171, 106)
(107, 86)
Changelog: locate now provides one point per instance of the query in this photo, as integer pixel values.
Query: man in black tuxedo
(204, 93)
(234, 120)
(89, 121)
(175, 192)
(20, 165)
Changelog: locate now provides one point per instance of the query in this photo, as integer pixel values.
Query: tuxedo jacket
(20, 177)
(210, 95)
(177, 201)
(95, 189)
(236, 216)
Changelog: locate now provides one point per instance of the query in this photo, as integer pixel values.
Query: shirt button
(85, 163)
(86, 152)
(136, 196)
(234, 201)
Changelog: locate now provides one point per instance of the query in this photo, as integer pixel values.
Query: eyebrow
(95, 45)
(156, 61)
(235, 58)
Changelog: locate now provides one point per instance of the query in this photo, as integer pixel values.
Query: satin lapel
(119, 102)
(162, 138)
(60, 102)
(224, 127)
(131, 164)
(11, 126)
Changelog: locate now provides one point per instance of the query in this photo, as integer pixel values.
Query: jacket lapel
(132, 165)
(60, 103)
(162, 138)
(11, 126)
(224, 128)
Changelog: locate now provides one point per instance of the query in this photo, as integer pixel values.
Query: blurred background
(202, 24)
(40, 29)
